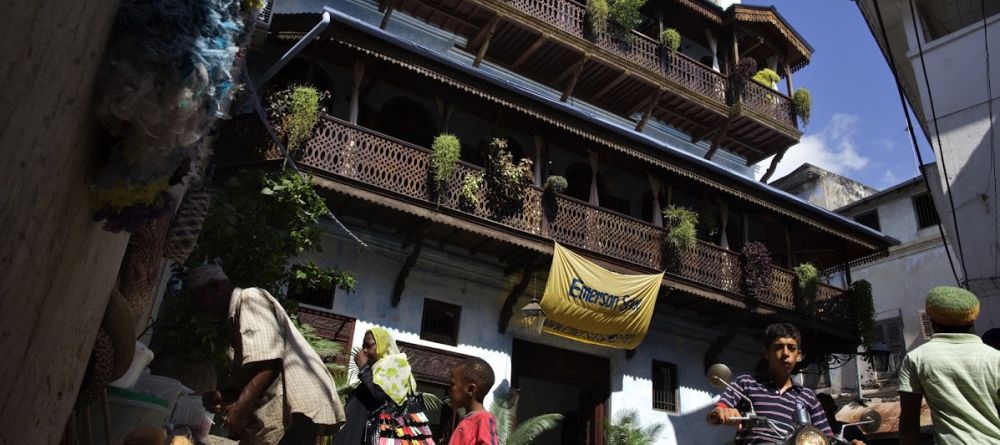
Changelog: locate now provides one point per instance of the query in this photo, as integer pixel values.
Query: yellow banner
(588, 303)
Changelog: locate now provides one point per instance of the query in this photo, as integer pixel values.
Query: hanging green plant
(681, 236)
(472, 184)
(446, 150)
(756, 272)
(597, 16)
(864, 313)
(556, 184)
(670, 39)
(294, 112)
(806, 286)
(767, 77)
(506, 182)
(802, 104)
(626, 13)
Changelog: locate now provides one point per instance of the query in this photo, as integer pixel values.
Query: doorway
(553, 380)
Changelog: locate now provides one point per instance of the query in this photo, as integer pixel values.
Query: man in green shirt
(959, 375)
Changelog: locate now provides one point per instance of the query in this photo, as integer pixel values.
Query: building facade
(929, 43)
(631, 127)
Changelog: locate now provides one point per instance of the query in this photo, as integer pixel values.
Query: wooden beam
(774, 166)
(486, 43)
(788, 78)
(535, 46)
(649, 111)
(702, 135)
(641, 104)
(411, 261)
(444, 241)
(388, 12)
(477, 41)
(621, 78)
(753, 46)
(717, 141)
(449, 15)
(569, 72)
(480, 245)
(507, 311)
(577, 69)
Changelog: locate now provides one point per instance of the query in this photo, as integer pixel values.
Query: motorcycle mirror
(872, 419)
(719, 375)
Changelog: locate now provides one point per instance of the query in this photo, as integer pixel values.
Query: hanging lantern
(532, 318)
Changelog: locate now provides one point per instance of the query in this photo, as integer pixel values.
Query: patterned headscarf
(391, 371)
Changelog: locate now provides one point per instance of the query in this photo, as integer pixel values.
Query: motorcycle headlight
(810, 436)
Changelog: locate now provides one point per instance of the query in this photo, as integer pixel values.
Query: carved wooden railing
(714, 266)
(570, 16)
(781, 293)
(356, 153)
(769, 102)
(833, 304)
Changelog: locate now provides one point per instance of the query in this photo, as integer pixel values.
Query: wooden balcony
(548, 42)
(340, 151)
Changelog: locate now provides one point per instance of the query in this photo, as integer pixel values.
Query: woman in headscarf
(384, 375)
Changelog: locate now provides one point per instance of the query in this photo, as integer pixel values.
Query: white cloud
(832, 148)
(889, 179)
(885, 143)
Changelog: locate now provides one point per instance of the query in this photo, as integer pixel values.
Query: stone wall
(56, 266)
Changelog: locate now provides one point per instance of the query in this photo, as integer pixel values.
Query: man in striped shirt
(774, 394)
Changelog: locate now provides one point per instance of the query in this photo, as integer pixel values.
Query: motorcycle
(802, 432)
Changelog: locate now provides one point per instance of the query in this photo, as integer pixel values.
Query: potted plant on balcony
(472, 185)
(802, 105)
(806, 287)
(768, 78)
(681, 236)
(597, 17)
(553, 185)
(756, 272)
(671, 40)
(445, 152)
(624, 16)
(506, 182)
(293, 113)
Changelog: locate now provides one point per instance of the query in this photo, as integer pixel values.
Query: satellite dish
(873, 419)
(719, 375)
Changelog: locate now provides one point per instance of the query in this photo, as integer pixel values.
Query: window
(925, 324)
(440, 322)
(926, 213)
(890, 332)
(870, 219)
(942, 17)
(665, 387)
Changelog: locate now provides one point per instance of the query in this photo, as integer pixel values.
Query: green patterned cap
(952, 306)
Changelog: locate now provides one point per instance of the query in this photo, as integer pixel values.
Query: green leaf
(266, 191)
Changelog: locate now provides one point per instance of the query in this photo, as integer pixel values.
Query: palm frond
(503, 411)
(626, 429)
(432, 402)
(528, 430)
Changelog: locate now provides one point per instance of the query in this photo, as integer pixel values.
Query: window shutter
(925, 323)
(893, 333)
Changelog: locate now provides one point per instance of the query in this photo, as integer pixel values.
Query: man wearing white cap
(287, 396)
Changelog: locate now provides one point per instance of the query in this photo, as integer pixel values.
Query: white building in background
(901, 280)
(951, 39)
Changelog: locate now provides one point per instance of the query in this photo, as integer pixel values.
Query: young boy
(470, 381)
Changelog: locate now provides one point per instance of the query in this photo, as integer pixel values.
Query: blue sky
(857, 127)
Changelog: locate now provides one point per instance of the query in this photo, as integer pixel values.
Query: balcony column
(594, 199)
(713, 45)
(654, 188)
(788, 78)
(445, 109)
(539, 158)
(359, 75)
(724, 224)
